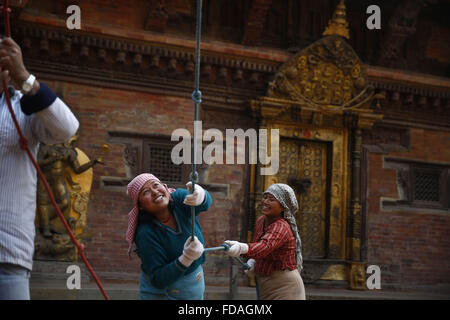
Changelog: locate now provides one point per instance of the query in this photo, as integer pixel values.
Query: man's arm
(53, 121)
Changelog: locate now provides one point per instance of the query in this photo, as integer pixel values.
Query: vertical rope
(197, 98)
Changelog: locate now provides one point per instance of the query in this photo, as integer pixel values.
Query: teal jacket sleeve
(179, 195)
(154, 261)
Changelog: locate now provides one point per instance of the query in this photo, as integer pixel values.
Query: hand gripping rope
(226, 247)
(197, 98)
(23, 143)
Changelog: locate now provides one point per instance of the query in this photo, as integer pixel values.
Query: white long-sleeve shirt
(18, 177)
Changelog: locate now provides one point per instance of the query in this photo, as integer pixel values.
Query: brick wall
(412, 246)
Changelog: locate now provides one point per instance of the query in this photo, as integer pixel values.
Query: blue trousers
(189, 287)
(14, 282)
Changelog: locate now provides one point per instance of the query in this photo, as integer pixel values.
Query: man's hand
(4, 75)
(11, 64)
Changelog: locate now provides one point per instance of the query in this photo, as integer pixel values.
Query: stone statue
(60, 163)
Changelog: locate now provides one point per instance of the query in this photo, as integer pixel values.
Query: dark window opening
(420, 184)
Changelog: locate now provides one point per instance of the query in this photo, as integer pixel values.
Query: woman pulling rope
(275, 252)
(159, 225)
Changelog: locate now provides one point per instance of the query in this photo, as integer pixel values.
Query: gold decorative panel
(336, 272)
(306, 159)
(289, 157)
(327, 75)
(313, 204)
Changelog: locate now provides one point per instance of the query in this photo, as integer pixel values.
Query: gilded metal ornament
(358, 276)
(338, 24)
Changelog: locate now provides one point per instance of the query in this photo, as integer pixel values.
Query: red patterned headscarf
(133, 189)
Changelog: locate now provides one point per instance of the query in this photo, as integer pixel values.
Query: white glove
(250, 272)
(192, 251)
(196, 198)
(236, 248)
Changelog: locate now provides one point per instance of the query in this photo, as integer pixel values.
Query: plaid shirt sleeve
(275, 235)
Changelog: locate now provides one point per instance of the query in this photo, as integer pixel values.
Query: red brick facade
(412, 247)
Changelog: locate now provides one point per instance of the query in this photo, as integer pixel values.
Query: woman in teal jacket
(160, 226)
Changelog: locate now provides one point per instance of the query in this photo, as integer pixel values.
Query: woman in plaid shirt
(275, 253)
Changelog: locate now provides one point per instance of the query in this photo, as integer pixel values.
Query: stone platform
(57, 290)
(49, 282)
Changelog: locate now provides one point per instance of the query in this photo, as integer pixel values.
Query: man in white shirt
(43, 117)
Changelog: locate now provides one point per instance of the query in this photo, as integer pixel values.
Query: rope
(197, 98)
(23, 143)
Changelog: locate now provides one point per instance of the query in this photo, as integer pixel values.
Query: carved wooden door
(308, 159)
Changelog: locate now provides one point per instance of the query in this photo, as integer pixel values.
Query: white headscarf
(286, 197)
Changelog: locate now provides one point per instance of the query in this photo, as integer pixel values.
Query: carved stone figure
(60, 163)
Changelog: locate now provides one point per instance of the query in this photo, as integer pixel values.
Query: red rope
(24, 146)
